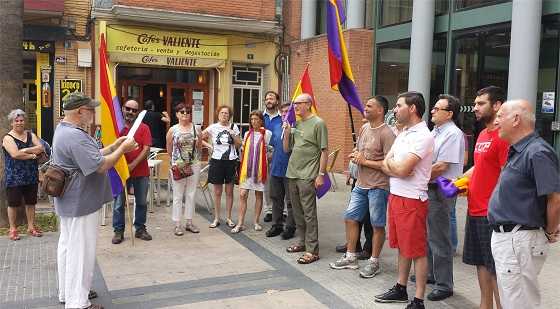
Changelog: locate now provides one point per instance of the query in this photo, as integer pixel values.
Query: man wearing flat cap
(87, 189)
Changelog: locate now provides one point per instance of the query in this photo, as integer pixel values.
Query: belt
(506, 228)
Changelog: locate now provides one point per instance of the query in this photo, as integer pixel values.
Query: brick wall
(253, 9)
(78, 10)
(291, 12)
(332, 107)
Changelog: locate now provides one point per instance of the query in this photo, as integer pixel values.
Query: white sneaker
(345, 263)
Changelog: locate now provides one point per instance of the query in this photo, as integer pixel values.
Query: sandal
(295, 248)
(13, 235)
(214, 224)
(258, 227)
(178, 231)
(308, 258)
(35, 232)
(229, 222)
(91, 295)
(237, 229)
(192, 228)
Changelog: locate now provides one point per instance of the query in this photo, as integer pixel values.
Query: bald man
(524, 210)
(306, 168)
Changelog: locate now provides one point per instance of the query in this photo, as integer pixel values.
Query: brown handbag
(54, 180)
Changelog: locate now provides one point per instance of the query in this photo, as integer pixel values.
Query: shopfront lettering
(149, 59)
(145, 38)
(181, 61)
(181, 41)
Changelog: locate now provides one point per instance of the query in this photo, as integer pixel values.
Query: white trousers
(76, 259)
(519, 257)
(185, 188)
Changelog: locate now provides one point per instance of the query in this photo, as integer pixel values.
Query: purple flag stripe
(116, 182)
(348, 91)
(332, 32)
(340, 11)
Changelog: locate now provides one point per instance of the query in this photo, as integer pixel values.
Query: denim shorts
(362, 200)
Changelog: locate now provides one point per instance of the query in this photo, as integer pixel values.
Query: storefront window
(462, 4)
(438, 68)
(548, 67)
(392, 69)
(400, 11)
(481, 59)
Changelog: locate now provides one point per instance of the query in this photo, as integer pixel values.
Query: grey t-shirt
(86, 190)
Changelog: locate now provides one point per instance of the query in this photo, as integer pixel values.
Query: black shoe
(364, 255)
(396, 294)
(341, 248)
(118, 237)
(415, 305)
(274, 231)
(436, 295)
(288, 233)
(429, 281)
(143, 234)
(267, 218)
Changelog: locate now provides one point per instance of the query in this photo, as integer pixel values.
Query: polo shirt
(144, 138)
(449, 147)
(530, 174)
(273, 123)
(419, 141)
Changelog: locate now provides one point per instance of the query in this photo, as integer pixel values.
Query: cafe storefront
(205, 70)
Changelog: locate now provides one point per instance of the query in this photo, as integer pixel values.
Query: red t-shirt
(144, 138)
(490, 155)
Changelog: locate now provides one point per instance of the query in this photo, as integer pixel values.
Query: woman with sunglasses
(183, 144)
(225, 140)
(253, 171)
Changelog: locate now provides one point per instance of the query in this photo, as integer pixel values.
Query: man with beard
(273, 123)
(490, 155)
(409, 166)
(139, 177)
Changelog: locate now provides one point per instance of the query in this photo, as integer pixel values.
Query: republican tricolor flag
(112, 121)
(303, 86)
(339, 65)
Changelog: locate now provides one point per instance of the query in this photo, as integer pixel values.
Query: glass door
(245, 100)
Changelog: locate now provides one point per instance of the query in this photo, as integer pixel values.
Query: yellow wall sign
(133, 40)
(68, 86)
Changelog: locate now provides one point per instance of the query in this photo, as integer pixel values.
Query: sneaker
(118, 237)
(257, 227)
(274, 231)
(371, 269)
(267, 217)
(288, 233)
(345, 263)
(396, 294)
(415, 305)
(143, 234)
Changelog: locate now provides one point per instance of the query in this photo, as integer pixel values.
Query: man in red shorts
(409, 166)
(490, 155)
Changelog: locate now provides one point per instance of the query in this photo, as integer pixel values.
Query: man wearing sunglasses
(137, 161)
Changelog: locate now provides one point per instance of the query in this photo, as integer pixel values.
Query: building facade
(56, 58)
(475, 43)
(204, 53)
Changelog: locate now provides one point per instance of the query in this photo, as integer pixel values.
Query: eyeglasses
(437, 109)
(188, 112)
(129, 109)
(299, 102)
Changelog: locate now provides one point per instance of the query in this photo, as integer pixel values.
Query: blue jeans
(362, 200)
(140, 185)
(453, 227)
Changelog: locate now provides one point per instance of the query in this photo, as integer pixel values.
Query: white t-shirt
(222, 141)
(419, 141)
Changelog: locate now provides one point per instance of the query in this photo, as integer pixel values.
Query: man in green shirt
(306, 168)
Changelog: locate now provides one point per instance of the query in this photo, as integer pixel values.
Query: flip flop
(237, 229)
(295, 248)
(308, 258)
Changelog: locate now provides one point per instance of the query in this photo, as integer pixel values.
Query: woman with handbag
(222, 172)
(183, 145)
(253, 170)
(21, 172)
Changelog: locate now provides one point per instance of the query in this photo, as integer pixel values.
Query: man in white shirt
(409, 166)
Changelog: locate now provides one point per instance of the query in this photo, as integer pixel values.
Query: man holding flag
(306, 169)
(87, 189)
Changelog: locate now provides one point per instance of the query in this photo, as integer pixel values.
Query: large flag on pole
(112, 121)
(303, 86)
(339, 65)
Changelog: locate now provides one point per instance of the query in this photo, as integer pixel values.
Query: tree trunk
(11, 75)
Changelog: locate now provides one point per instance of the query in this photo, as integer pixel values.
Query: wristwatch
(321, 174)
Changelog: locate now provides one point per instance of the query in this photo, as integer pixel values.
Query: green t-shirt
(307, 140)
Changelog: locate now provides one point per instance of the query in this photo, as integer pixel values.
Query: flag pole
(128, 214)
(352, 126)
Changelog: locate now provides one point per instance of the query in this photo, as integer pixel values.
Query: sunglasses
(188, 112)
(129, 109)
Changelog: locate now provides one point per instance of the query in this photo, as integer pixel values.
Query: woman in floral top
(183, 145)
